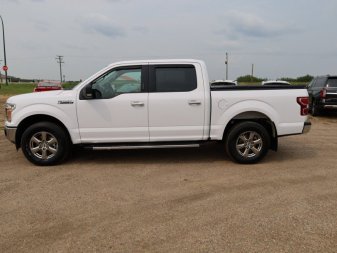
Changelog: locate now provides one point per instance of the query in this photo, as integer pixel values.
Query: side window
(320, 82)
(175, 78)
(117, 82)
(312, 83)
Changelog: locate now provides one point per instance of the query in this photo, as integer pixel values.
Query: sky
(287, 38)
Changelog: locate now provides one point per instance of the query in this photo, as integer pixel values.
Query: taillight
(322, 93)
(304, 103)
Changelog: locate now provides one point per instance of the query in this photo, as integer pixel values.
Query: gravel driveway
(184, 200)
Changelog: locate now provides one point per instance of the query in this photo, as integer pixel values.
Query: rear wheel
(247, 142)
(45, 143)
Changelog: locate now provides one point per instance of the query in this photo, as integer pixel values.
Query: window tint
(223, 83)
(332, 82)
(320, 82)
(312, 83)
(276, 83)
(118, 82)
(175, 79)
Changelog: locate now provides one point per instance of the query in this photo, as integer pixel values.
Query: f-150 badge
(65, 102)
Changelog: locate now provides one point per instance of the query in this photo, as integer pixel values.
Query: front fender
(67, 116)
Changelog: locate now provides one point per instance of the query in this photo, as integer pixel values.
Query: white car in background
(275, 83)
(224, 83)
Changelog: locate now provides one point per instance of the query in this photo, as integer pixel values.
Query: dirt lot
(189, 200)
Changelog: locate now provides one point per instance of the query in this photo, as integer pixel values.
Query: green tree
(249, 78)
(304, 79)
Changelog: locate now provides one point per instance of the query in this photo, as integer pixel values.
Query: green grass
(20, 88)
(69, 85)
(16, 88)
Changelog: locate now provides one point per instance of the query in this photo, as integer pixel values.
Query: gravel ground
(184, 200)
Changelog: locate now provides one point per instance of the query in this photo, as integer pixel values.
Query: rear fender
(246, 110)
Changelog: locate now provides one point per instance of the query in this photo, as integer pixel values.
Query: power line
(59, 59)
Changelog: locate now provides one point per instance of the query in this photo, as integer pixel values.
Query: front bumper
(306, 127)
(10, 133)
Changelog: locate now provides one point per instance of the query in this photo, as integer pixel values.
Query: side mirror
(88, 92)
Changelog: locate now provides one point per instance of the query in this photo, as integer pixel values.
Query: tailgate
(331, 89)
(331, 92)
(331, 95)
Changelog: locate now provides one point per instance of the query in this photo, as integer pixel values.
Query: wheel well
(259, 118)
(32, 120)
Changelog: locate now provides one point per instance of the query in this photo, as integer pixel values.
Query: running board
(116, 147)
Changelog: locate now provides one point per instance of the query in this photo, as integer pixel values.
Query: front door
(118, 109)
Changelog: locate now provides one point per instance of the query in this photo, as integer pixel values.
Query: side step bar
(117, 147)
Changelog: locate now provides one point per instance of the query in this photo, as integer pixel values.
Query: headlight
(9, 108)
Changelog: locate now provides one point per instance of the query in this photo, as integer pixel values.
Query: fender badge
(65, 102)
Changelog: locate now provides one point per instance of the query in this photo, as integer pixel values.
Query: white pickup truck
(155, 104)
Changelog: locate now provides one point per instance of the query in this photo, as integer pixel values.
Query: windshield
(223, 83)
(276, 83)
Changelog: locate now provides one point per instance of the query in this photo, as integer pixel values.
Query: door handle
(194, 102)
(137, 103)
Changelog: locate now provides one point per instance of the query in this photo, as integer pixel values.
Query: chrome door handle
(137, 103)
(194, 102)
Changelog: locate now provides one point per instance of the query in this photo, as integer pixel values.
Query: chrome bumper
(306, 127)
(10, 133)
(330, 106)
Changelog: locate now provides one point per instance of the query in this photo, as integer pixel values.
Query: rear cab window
(173, 78)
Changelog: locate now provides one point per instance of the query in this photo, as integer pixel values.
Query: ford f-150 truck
(155, 104)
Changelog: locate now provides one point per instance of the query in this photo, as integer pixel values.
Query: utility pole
(3, 39)
(226, 62)
(59, 59)
(0, 75)
(252, 72)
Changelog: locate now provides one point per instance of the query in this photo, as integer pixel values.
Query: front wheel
(247, 142)
(45, 143)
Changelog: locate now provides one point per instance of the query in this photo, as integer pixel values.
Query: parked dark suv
(322, 94)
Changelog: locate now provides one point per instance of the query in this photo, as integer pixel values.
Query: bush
(249, 78)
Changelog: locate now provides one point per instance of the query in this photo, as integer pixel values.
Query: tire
(247, 142)
(315, 111)
(45, 144)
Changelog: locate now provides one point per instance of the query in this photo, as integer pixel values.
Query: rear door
(176, 102)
